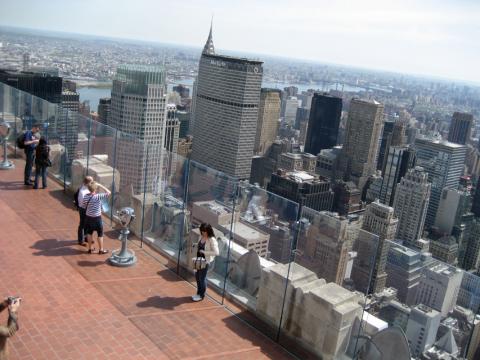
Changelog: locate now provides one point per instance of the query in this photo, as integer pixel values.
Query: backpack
(21, 141)
(75, 198)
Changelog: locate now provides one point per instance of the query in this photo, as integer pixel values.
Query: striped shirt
(94, 202)
(81, 194)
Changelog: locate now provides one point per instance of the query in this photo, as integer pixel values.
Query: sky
(425, 37)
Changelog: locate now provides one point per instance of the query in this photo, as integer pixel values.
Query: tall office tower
(460, 128)
(439, 287)
(268, 118)
(422, 328)
(324, 247)
(476, 201)
(404, 269)
(226, 111)
(26, 61)
(444, 163)
(290, 91)
(399, 159)
(323, 124)
(454, 203)
(359, 152)
(194, 104)
(471, 257)
(399, 137)
(184, 119)
(411, 204)
(385, 142)
(70, 100)
(379, 219)
(104, 106)
(290, 106)
(172, 129)
(68, 130)
(45, 85)
(138, 108)
(302, 188)
(412, 134)
(445, 249)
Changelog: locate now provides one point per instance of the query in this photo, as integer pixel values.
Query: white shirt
(81, 193)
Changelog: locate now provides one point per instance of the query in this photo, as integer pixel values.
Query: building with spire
(227, 96)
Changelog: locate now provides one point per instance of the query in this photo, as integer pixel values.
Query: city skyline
(370, 35)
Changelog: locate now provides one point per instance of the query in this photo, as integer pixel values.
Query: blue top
(29, 137)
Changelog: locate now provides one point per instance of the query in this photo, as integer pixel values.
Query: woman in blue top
(92, 203)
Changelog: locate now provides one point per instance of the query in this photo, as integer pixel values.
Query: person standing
(82, 191)
(42, 161)
(207, 248)
(93, 215)
(30, 142)
(12, 326)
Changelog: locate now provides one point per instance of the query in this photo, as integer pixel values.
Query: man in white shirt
(81, 210)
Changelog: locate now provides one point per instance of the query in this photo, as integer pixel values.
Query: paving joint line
(169, 312)
(225, 353)
(124, 279)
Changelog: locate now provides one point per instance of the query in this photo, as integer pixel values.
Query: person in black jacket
(42, 161)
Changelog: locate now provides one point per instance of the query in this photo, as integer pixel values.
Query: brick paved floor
(78, 307)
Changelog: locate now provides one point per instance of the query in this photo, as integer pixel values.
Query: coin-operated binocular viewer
(124, 257)
(4, 132)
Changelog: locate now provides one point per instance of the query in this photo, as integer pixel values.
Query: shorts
(94, 224)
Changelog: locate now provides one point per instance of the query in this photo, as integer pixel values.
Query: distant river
(93, 95)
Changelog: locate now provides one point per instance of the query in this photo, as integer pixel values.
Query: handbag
(48, 163)
(199, 263)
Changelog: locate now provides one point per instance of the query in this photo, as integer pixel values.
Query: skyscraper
(290, 107)
(379, 219)
(268, 120)
(411, 204)
(325, 247)
(460, 127)
(138, 109)
(404, 269)
(226, 111)
(396, 164)
(439, 287)
(444, 163)
(322, 130)
(422, 328)
(359, 154)
(104, 110)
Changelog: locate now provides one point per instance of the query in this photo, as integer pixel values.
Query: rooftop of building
(76, 306)
(438, 141)
(233, 59)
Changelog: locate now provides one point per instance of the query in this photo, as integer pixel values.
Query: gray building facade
(226, 112)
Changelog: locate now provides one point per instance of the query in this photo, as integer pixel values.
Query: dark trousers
(29, 156)
(81, 226)
(40, 171)
(201, 277)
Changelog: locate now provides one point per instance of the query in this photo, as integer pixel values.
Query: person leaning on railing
(12, 326)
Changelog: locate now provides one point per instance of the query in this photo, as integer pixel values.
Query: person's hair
(92, 186)
(42, 141)
(38, 126)
(208, 229)
(87, 180)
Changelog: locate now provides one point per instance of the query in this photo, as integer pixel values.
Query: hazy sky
(440, 38)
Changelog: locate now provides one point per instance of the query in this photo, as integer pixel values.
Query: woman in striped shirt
(92, 203)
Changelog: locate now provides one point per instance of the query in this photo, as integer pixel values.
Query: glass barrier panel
(97, 158)
(166, 220)
(330, 273)
(54, 130)
(210, 199)
(262, 238)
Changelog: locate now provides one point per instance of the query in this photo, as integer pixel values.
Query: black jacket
(42, 153)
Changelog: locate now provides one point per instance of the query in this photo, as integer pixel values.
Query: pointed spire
(209, 48)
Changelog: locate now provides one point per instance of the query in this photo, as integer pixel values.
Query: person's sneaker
(197, 298)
